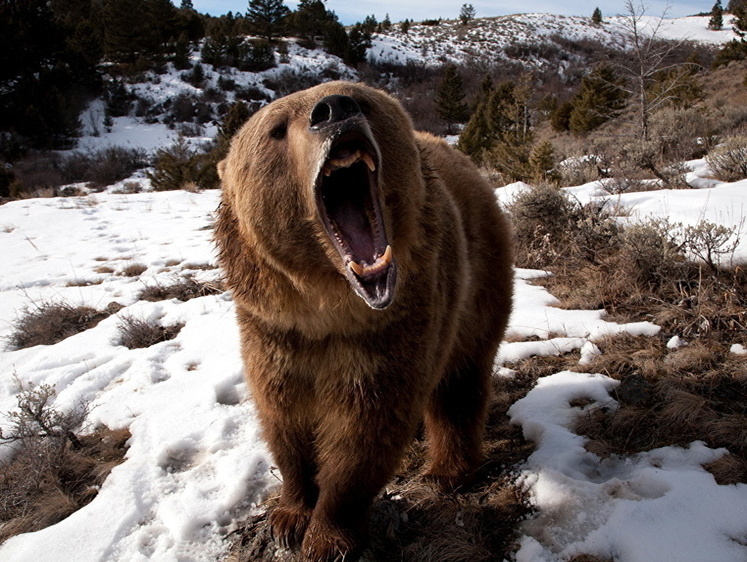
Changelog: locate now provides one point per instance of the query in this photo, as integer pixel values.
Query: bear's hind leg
(455, 423)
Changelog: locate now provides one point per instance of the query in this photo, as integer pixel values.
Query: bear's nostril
(332, 109)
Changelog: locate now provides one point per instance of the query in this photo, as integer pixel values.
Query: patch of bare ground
(413, 521)
(672, 397)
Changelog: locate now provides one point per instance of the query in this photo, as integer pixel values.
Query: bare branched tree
(651, 57)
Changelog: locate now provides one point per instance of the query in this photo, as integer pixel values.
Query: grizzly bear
(372, 274)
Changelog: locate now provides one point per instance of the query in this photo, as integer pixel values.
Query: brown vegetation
(47, 323)
(52, 472)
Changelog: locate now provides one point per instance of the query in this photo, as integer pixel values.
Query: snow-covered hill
(486, 40)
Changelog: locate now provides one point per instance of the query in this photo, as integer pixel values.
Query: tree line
(54, 53)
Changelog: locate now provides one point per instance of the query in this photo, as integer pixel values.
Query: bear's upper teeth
(381, 263)
(336, 163)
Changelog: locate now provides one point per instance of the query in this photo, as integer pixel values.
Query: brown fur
(341, 387)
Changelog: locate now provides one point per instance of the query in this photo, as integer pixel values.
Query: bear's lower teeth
(381, 263)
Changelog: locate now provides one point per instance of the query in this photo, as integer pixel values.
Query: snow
(196, 459)
(487, 38)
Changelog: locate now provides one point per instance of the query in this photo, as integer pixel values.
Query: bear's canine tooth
(366, 157)
(356, 267)
(387, 257)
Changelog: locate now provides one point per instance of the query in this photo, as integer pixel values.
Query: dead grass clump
(53, 471)
(133, 270)
(183, 289)
(412, 520)
(48, 323)
(137, 333)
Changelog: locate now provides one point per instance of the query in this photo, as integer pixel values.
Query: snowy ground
(195, 456)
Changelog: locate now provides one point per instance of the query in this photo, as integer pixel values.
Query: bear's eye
(279, 131)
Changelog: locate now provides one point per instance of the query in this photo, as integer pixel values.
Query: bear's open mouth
(347, 195)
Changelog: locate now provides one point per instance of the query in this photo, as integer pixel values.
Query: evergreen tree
(359, 40)
(542, 163)
(599, 100)
(405, 26)
(560, 118)
(311, 20)
(336, 40)
(450, 104)
(124, 39)
(266, 18)
(499, 131)
(182, 51)
(386, 25)
(596, 17)
(186, 5)
(475, 137)
(467, 13)
(717, 17)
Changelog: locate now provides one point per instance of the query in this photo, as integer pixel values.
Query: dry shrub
(412, 520)
(48, 323)
(183, 289)
(137, 333)
(728, 161)
(53, 471)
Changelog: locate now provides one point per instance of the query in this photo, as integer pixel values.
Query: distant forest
(53, 53)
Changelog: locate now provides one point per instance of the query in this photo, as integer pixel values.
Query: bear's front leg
(289, 435)
(360, 444)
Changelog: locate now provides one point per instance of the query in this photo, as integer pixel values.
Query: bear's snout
(333, 109)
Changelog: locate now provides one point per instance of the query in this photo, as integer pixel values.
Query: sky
(417, 10)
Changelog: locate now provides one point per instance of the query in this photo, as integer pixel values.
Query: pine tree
(266, 18)
(599, 100)
(182, 50)
(359, 40)
(467, 13)
(596, 17)
(450, 104)
(542, 163)
(310, 20)
(405, 26)
(717, 17)
(475, 139)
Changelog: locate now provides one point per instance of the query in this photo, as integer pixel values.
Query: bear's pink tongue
(355, 228)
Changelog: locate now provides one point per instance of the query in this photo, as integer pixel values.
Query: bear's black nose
(332, 109)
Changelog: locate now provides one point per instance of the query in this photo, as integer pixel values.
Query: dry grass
(44, 483)
(52, 472)
(412, 521)
(133, 270)
(137, 333)
(672, 397)
(48, 323)
(183, 289)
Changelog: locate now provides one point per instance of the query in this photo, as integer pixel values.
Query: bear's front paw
(327, 543)
(288, 525)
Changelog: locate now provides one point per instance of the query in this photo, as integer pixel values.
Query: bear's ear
(221, 169)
